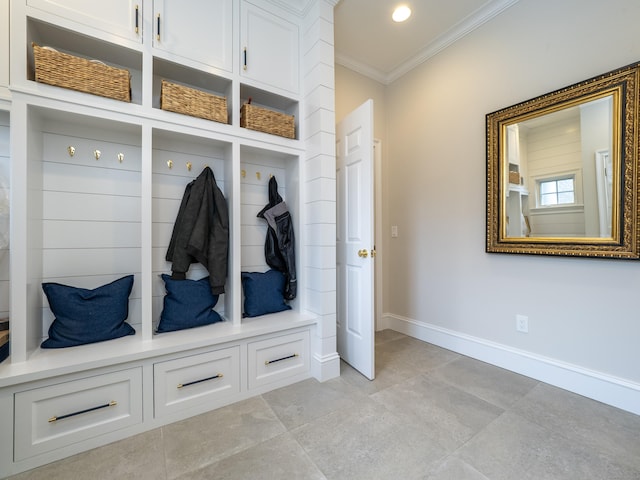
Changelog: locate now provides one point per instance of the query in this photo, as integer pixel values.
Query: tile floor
(430, 414)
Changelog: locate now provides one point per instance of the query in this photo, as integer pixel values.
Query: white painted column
(319, 186)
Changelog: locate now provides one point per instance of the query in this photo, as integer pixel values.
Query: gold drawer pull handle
(269, 362)
(112, 403)
(181, 385)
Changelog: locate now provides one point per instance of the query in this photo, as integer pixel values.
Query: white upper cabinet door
(270, 49)
(118, 17)
(195, 30)
(4, 43)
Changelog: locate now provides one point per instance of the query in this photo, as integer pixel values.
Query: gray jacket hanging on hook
(279, 247)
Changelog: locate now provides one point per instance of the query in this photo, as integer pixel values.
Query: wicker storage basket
(89, 76)
(264, 120)
(514, 177)
(189, 101)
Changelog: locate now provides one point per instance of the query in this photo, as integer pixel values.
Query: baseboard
(325, 368)
(604, 388)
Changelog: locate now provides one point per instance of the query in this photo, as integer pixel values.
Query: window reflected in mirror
(553, 170)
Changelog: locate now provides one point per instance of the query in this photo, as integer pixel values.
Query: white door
(354, 232)
(195, 30)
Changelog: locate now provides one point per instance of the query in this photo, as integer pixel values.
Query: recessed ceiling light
(401, 13)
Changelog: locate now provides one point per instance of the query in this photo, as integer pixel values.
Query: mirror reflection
(563, 171)
(559, 172)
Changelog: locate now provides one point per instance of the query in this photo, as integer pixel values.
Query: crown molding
(361, 68)
(455, 33)
(299, 7)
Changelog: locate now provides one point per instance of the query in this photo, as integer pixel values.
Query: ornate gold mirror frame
(563, 171)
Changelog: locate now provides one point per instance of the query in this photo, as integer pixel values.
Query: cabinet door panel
(115, 16)
(55, 416)
(191, 381)
(198, 31)
(277, 358)
(270, 49)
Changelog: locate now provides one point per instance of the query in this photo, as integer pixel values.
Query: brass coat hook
(170, 164)
(71, 150)
(97, 153)
(189, 166)
(120, 157)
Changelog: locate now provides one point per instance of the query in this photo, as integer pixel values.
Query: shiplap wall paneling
(257, 167)
(178, 159)
(90, 212)
(319, 195)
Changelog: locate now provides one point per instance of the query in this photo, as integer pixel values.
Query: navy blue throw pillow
(263, 293)
(187, 304)
(88, 316)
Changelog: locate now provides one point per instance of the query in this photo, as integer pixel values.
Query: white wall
(583, 313)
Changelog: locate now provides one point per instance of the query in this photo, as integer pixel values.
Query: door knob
(363, 253)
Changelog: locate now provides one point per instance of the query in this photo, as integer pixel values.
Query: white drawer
(189, 381)
(58, 415)
(277, 358)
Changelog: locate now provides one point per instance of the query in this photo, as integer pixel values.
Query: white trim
(298, 7)
(325, 367)
(361, 68)
(618, 392)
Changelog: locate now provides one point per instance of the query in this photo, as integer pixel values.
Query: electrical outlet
(394, 231)
(522, 323)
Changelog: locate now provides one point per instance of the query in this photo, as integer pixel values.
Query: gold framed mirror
(562, 171)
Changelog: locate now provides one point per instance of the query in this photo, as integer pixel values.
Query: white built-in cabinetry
(4, 214)
(4, 45)
(96, 185)
(122, 18)
(192, 30)
(270, 52)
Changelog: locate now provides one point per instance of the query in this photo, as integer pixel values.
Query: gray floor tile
(385, 377)
(583, 420)
(513, 447)
(388, 371)
(275, 459)
(424, 404)
(197, 442)
(368, 442)
(383, 336)
(422, 355)
(138, 457)
(305, 401)
(446, 414)
(396, 361)
(493, 384)
(455, 469)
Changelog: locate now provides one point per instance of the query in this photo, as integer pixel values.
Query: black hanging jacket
(201, 232)
(279, 247)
